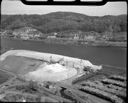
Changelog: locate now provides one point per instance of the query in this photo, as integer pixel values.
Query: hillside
(63, 21)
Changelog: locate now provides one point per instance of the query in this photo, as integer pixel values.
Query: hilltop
(73, 28)
(63, 21)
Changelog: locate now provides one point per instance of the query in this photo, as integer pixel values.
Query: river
(114, 56)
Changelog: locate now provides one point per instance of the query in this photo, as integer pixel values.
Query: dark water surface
(114, 56)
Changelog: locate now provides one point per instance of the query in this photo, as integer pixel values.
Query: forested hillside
(63, 21)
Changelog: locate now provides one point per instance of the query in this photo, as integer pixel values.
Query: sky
(17, 7)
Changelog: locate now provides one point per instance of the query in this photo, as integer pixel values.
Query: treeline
(63, 21)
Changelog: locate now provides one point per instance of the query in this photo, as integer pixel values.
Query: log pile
(114, 82)
(119, 78)
(101, 94)
(115, 87)
(101, 87)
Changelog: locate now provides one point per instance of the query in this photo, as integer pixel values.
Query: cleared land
(107, 85)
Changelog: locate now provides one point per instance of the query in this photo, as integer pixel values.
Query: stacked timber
(101, 94)
(115, 87)
(121, 94)
(114, 82)
(117, 77)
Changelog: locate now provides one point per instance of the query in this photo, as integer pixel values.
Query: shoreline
(76, 42)
(74, 66)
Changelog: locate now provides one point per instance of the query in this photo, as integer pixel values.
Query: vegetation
(64, 21)
(67, 28)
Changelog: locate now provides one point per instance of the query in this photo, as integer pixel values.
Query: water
(114, 56)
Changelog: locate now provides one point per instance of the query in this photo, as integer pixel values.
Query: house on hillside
(7, 33)
(27, 33)
(90, 36)
(119, 36)
(69, 34)
(76, 36)
(52, 35)
(107, 35)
